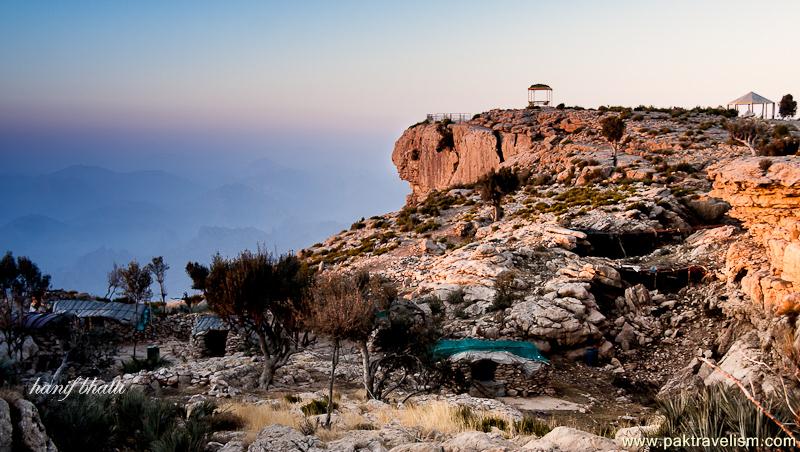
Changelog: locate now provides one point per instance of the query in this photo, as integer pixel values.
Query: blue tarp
(448, 347)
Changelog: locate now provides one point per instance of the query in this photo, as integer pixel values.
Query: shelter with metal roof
(209, 336)
(496, 367)
(125, 313)
(750, 100)
(545, 90)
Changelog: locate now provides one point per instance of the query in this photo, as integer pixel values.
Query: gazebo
(536, 87)
(750, 99)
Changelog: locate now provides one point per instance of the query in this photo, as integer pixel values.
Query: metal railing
(455, 117)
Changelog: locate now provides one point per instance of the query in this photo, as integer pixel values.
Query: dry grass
(440, 417)
(256, 417)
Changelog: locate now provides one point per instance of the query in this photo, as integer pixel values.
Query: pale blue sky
(345, 65)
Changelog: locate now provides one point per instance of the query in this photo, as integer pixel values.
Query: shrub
(226, 421)
(316, 407)
(488, 422)
(764, 164)
(291, 398)
(79, 422)
(505, 295)
(456, 296)
(716, 411)
(360, 224)
(780, 146)
(560, 106)
(130, 421)
(530, 425)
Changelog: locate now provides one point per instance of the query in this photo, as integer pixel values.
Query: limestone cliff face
(765, 195)
(436, 156)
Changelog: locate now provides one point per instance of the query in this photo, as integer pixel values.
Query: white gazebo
(750, 100)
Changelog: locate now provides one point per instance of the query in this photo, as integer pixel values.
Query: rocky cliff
(686, 250)
(765, 195)
(439, 155)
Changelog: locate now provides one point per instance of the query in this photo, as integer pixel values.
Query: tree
(262, 294)
(21, 284)
(114, 279)
(393, 336)
(750, 132)
(787, 107)
(494, 186)
(159, 268)
(198, 273)
(338, 310)
(136, 281)
(613, 128)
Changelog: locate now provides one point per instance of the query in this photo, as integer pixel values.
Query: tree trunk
(497, 213)
(368, 377)
(269, 363)
(334, 362)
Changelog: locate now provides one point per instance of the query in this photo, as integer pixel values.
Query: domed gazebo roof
(539, 86)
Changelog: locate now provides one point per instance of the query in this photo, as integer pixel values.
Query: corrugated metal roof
(208, 323)
(121, 312)
(39, 320)
(751, 98)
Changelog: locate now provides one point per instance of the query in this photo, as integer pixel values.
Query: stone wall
(509, 380)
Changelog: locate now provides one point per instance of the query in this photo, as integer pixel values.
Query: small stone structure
(497, 368)
(209, 336)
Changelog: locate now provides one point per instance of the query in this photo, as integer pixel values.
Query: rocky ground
(686, 249)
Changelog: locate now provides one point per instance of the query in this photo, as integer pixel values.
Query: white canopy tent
(750, 100)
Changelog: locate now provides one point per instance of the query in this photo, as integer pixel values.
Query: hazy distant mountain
(78, 221)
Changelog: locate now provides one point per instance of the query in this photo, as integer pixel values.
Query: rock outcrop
(438, 155)
(764, 193)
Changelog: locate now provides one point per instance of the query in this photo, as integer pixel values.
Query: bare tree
(114, 279)
(136, 286)
(751, 133)
(159, 270)
(338, 310)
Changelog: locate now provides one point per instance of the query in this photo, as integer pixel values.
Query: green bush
(130, 421)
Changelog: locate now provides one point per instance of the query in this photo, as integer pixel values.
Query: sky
(202, 89)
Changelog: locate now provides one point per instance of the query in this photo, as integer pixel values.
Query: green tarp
(448, 347)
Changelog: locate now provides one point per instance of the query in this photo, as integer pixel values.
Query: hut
(48, 337)
(111, 316)
(209, 336)
(750, 100)
(496, 368)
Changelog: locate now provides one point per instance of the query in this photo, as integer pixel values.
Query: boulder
(6, 427)
(476, 442)
(709, 210)
(418, 447)
(285, 439)
(31, 430)
(567, 439)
